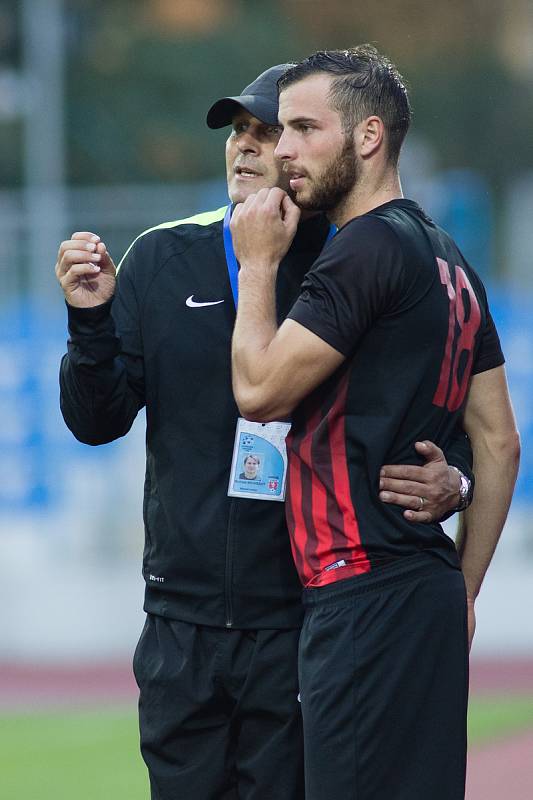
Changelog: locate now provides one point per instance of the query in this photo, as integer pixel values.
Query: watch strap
(465, 490)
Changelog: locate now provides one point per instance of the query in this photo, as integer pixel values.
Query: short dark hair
(365, 83)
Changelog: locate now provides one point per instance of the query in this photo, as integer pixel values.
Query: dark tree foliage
(140, 78)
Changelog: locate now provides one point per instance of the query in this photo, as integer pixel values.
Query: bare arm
(490, 423)
(273, 369)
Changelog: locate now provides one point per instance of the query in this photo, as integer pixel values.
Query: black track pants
(218, 711)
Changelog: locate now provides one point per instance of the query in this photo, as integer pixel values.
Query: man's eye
(275, 130)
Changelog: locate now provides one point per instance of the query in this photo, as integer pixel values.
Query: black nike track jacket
(164, 342)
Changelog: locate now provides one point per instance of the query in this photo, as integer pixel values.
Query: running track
(502, 770)
(498, 771)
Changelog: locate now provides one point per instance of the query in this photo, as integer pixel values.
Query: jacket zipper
(229, 566)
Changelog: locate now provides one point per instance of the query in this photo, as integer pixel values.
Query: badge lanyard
(231, 260)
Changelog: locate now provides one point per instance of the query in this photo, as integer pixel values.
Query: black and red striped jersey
(394, 295)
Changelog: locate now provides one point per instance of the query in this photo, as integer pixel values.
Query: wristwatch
(465, 490)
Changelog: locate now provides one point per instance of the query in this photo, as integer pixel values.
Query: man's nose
(283, 149)
(247, 143)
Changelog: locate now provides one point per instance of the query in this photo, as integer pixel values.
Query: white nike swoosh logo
(193, 304)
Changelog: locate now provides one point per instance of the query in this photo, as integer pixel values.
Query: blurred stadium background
(102, 109)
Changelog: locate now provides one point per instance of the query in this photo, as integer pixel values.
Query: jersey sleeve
(357, 278)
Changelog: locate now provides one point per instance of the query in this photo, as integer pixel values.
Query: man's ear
(370, 134)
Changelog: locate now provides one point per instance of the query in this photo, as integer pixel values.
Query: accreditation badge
(259, 465)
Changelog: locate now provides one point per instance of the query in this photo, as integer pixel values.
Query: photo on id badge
(259, 462)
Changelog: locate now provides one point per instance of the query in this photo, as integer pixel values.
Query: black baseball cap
(260, 99)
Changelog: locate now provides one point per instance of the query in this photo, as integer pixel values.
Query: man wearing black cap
(216, 661)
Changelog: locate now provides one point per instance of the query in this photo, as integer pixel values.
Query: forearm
(255, 328)
(97, 408)
(99, 398)
(496, 461)
(273, 369)
(459, 456)
(458, 453)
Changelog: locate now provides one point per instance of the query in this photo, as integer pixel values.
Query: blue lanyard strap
(231, 260)
(331, 233)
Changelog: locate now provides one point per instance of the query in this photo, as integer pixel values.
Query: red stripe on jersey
(341, 477)
(320, 514)
(319, 534)
(294, 515)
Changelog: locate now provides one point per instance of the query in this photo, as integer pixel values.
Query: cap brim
(222, 112)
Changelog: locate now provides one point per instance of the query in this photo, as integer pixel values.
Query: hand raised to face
(263, 228)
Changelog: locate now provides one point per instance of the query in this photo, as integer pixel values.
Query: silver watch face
(464, 488)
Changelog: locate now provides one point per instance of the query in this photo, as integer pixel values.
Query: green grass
(95, 755)
(496, 717)
(71, 756)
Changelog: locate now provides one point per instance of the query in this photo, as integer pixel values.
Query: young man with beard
(390, 332)
(216, 662)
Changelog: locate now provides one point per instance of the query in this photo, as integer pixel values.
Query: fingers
(408, 501)
(72, 278)
(262, 229)
(83, 248)
(236, 213)
(86, 235)
(71, 256)
(265, 202)
(416, 511)
(81, 240)
(290, 212)
(408, 472)
(412, 472)
(408, 493)
(418, 516)
(403, 487)
(264, 208)
(106, 263)
(429, 450)
(268, 198)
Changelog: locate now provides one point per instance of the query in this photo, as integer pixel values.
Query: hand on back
(427, 492)
(85, 270)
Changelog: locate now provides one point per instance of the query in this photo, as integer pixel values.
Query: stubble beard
(330, 189)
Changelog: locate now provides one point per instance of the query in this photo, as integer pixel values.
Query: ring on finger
(422, 503)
